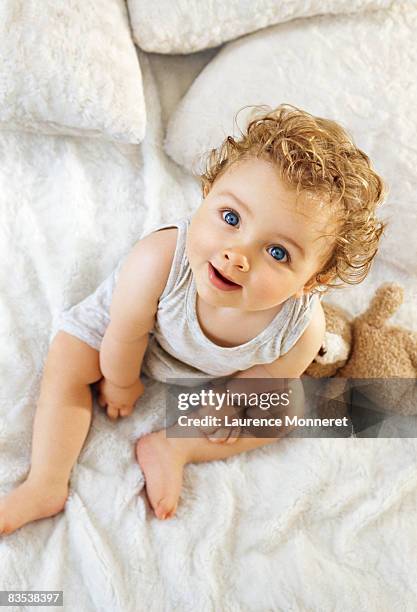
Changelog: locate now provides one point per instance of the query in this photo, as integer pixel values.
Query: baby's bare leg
(62, 421)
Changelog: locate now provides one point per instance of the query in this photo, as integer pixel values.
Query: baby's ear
(315, 281)
(307, 287)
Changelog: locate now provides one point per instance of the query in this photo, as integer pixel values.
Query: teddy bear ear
(334, 349)
(387, 299)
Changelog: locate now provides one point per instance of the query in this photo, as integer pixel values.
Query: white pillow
(70, 67)
(185, 26)
(358, 70)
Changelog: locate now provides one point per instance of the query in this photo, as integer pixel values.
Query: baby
(288, 212)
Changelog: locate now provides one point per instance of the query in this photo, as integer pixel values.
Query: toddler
(288, 212)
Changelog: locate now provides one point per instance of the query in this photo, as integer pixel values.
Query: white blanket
(303, 524)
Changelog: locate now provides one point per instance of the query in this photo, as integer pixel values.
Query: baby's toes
(166, 509)
(162, 467)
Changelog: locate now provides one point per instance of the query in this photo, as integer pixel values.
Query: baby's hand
(219, 433)
(224, 435)
(118, 400)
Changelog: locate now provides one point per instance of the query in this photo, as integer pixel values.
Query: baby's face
(250, 230)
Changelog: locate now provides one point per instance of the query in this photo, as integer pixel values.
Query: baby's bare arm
(141, 281)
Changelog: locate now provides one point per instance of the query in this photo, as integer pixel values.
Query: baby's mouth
(223, 278)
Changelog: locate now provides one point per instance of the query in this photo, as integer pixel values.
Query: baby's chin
(220, 299)
(236, 300)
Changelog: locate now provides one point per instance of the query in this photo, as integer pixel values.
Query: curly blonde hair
(318, 157)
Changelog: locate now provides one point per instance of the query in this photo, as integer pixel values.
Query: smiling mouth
(221, 281)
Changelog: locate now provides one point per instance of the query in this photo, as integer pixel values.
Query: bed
(100, 142)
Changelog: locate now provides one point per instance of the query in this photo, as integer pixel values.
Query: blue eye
(230, 217)
(279, 253)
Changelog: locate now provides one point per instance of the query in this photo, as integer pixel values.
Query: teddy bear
(379, 360)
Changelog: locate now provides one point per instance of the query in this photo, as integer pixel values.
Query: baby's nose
(236, 259)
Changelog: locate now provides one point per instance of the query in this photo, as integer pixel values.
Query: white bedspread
(303, 524)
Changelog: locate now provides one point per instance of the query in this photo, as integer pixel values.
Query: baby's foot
(30, 501)
(162, 464)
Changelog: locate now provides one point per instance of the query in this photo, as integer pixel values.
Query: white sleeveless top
(177, 345)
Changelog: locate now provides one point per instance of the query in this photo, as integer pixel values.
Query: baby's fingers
(126, 411)
(112, 412)
(224, 435)
(233, 436)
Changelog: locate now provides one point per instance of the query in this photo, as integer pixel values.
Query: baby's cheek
(267, 292)
(199, 244)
